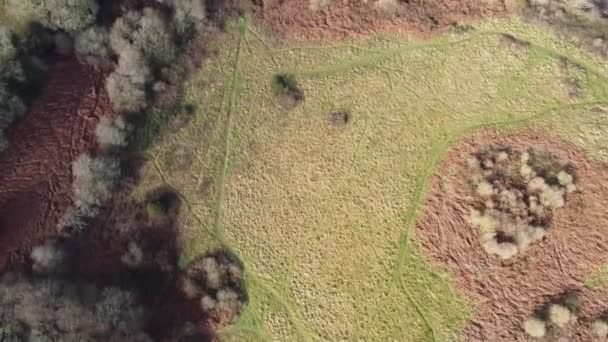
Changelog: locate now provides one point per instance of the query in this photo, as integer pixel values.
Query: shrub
(504, 250)
(94, 179)
(50, 258)
(208, 303)
(286, 86)
(8, 50)
(600, 328)
(535, 327)
(21, 12)
(559, 315)
(134, 256)
(284, 83)
(126, 86)
(75, 218)
(93, 45)
(111, 132)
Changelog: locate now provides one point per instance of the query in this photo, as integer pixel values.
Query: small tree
(189, 16)
(94, 179)
(127, 84)
(93, 45)
(111, 132)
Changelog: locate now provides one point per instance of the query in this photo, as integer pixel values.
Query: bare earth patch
(340, 19)
(35, 172)
(505, 293)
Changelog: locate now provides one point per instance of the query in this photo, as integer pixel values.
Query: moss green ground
(322, 215)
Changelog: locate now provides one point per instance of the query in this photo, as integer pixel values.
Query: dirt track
(35, 171)
(343, 18)
(506, 293)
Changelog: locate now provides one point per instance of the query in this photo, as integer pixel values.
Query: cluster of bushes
(51, 309)
(516, 195)
(553, 316)
(557, 319)
(215, 281)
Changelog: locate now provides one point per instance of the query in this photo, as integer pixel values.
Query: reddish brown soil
(344, 18)
(35, 171)
(506, 293)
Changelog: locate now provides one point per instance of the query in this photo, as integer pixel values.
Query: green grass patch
(322, 217)
(155, 209)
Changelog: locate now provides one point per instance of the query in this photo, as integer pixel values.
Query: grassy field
(321, 215)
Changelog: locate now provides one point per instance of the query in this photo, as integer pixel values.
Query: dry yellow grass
(321, 215)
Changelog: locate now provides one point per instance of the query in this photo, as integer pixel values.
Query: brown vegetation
(322, 20)
(506, 293)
